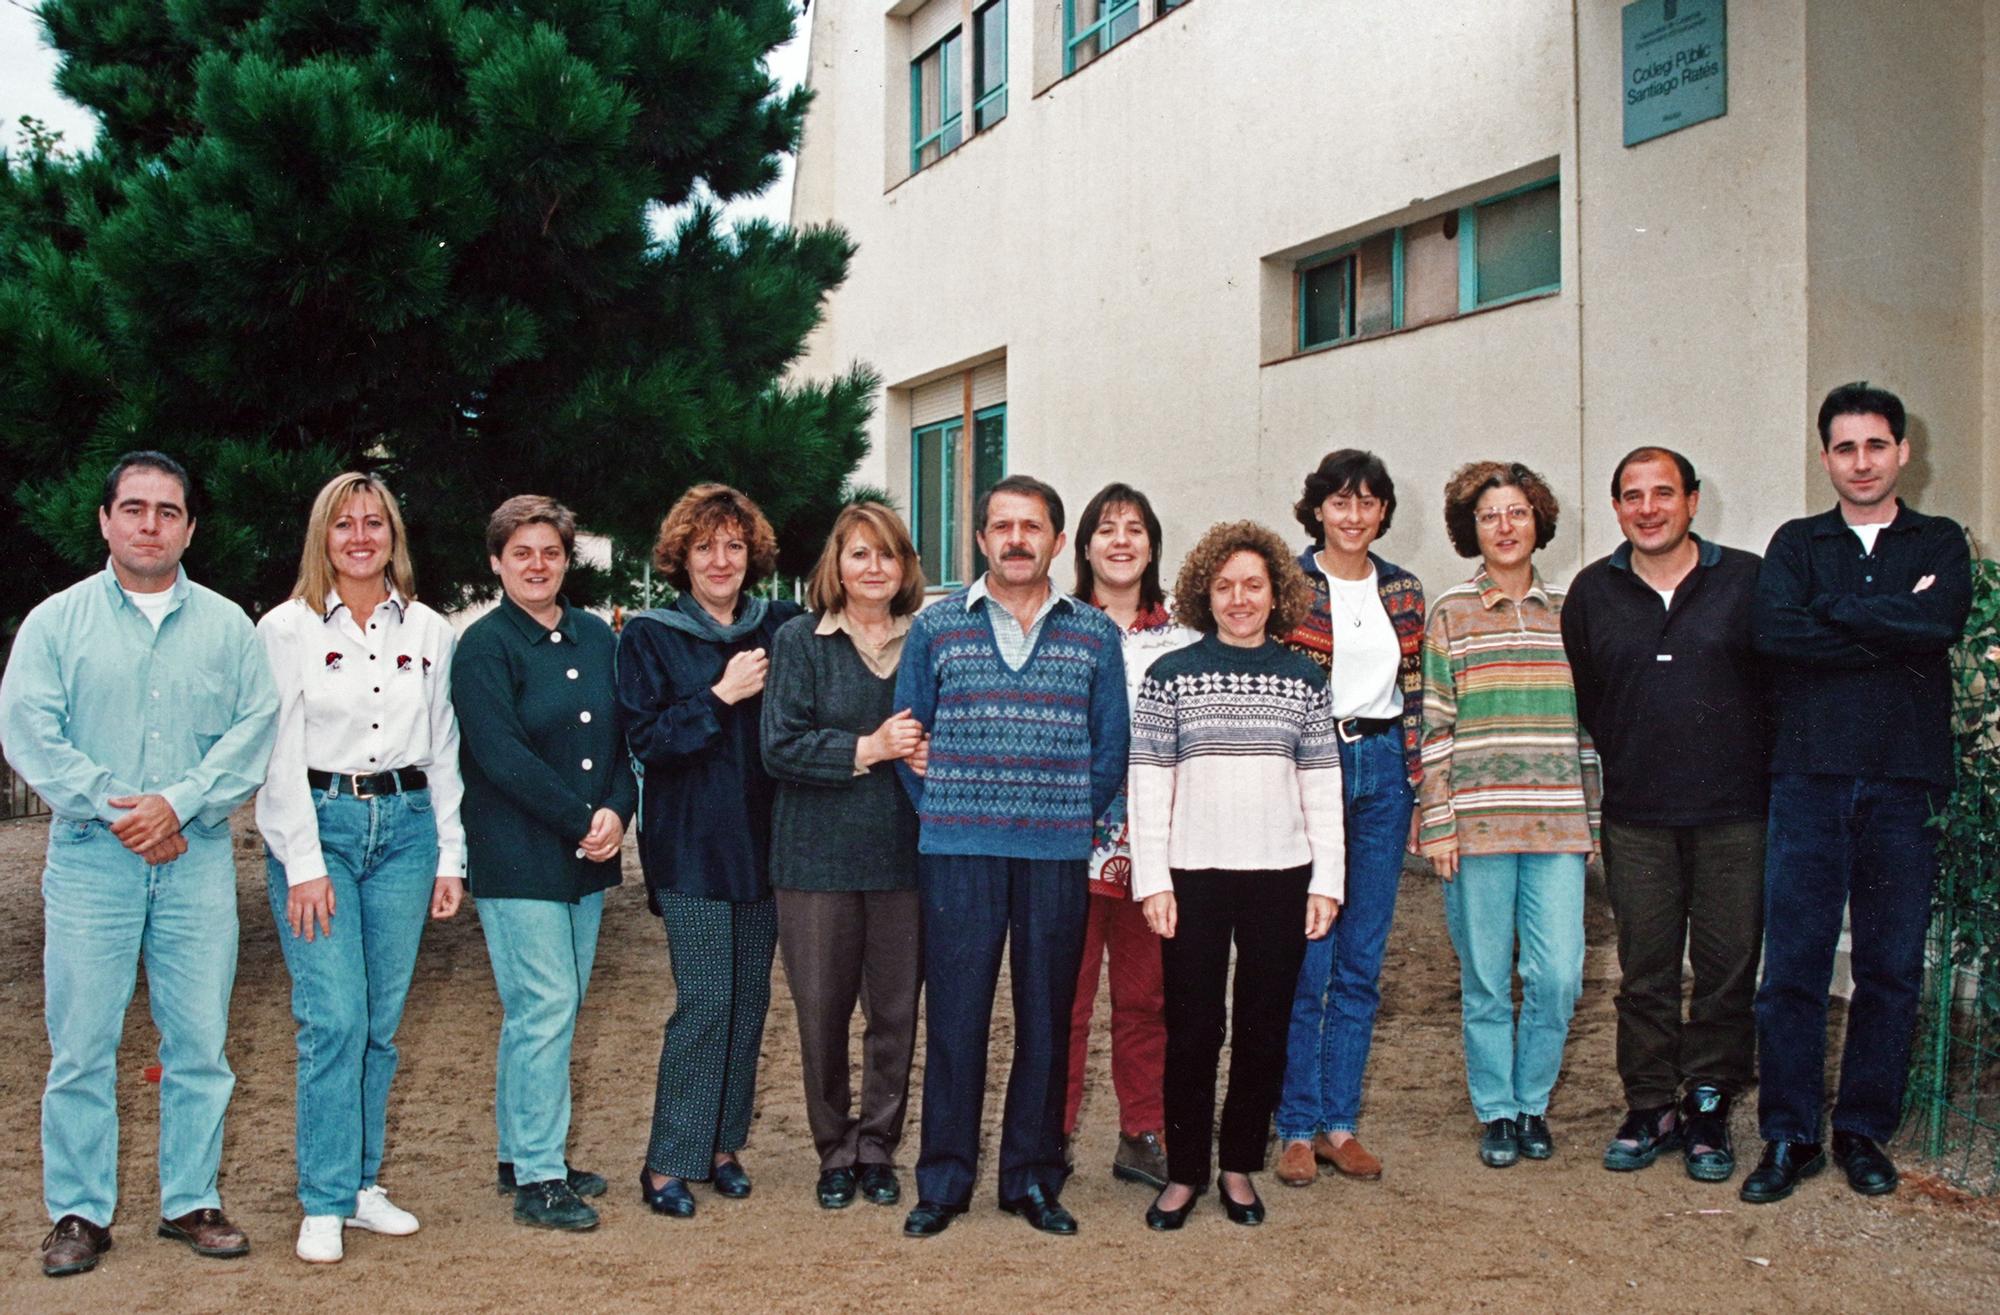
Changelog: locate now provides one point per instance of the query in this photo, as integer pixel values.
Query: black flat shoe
(1639, 1140)
(1534, 1139)
(836, 1188)
(670, 1198)
(1500, 1145)
(1706, 1147)
(1167, 1221)
(928, 1219)
(1249, 1215)
(729, 1180)
(879, 1185)
(1042, 1211)
(581, 1181)
(1869, 1170)
(1784, 1166)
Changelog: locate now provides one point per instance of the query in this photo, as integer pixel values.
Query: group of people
(893, 794)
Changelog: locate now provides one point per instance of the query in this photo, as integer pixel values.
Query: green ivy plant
(1968, 889)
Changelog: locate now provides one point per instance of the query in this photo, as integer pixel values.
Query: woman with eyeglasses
(1509, 801)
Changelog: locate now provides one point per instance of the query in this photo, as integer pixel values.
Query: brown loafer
(1296, 1167)
(1350, 1157)
(74, 1246)
(207, 1232)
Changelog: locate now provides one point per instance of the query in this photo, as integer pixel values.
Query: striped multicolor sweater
(1021, 762)
(1403, 599)
(1507, 767)
(1235, 765)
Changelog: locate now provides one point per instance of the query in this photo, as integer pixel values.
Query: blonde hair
(316, 573)
(824, 590)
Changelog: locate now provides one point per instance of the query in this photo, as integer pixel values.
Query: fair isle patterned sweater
(1507, 767)
(1022, 762)
(1235, 765)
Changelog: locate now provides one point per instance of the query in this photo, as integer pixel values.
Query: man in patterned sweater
(1022, 690)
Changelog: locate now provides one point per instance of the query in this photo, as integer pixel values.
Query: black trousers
(1264, 913)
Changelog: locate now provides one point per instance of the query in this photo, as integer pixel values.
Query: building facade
(1196, 245)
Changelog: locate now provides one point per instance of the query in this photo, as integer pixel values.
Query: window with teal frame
(989, 463)
(1505, 248)
(936, 119)
(989, 65)
(946, 481)
(1091, 27)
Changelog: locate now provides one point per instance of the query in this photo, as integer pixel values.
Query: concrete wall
(1990, 247)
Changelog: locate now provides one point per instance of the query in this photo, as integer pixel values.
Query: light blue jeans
(348, 987)
(1539, 896)
(542, 951)
(102, 909)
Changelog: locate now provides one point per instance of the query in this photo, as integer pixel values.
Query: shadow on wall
(1916, 475)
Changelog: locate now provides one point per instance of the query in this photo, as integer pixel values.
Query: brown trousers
(840, 948)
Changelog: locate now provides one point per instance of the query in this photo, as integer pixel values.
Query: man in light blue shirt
(140, 706)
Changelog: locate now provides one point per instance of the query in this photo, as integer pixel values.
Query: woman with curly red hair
(1235, 822)
(1509, 801)
(690, 690)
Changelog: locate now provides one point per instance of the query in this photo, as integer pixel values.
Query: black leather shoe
(670, 1198)
(1167, 1221)
(1784, 1165)
(1042, 1211)
(1501, 1144)
(581, 1181)
(836, 1188)
(879, 1185)
(1640, 1139)
(1869, 1170)
(928, 1219)
(1250, 1214)
(1706, 1147)
(1534, 1139)
(729, 1180)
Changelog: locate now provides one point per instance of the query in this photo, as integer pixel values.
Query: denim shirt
(96, 704)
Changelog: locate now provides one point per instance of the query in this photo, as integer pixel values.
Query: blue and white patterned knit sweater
(1235, 765)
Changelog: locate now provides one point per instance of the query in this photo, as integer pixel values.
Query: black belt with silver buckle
(1356, 728)
(367, 787)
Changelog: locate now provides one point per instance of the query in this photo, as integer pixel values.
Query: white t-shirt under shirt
(154, 606)
(1366, 657)
(1867, 534)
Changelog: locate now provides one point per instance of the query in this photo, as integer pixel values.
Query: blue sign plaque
(1676, 66)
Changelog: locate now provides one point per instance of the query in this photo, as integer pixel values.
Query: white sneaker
(319, 1240)
(374, 1211)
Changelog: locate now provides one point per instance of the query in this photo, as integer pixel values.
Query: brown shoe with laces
(1296, 1165)
(207, 1232)
(74, 1246)
(1350, 1157)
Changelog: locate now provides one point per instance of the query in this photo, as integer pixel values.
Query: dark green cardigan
(541, 751)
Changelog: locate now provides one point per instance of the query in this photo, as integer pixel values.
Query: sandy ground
(1439, 1232)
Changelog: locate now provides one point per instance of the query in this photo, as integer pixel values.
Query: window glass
(937, 122)
(989, 65)
(1326, 303)
(933, 459)
(1519, 245)
(1430, 270)
(989, 464)
(1375, 284)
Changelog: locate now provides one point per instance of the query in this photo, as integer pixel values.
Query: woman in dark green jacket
(548, 793)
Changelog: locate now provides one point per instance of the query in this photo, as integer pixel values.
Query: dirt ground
(1438, 1233)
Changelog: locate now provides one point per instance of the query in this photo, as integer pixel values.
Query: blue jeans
(1540, 896)
(1333, 1010)
(542, 951)
(348, 986)
(1842, 842)
(102, 909)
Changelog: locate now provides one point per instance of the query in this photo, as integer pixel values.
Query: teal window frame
(985, 98)
(1468, 271)
(951, 117)
(998, 411)
(1110, 12)
(950, 434)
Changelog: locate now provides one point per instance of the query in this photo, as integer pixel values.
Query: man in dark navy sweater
(1858, 609)
(1669, 684)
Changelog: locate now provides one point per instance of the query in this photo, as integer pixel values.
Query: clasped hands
(1163, 914)
(902, 736)
(151, 830)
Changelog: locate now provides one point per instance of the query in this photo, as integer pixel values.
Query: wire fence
(16, 799)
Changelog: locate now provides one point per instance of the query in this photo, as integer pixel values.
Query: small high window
(1091, 27)
(989, 65)
(936, 119)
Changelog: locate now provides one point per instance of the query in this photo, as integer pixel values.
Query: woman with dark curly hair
(1235, 819)
(690, 691)
(1509, 801)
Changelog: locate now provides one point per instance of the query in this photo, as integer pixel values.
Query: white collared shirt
(1014, 643)
(358, 699)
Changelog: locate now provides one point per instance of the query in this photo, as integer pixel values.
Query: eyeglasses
(1516, 514)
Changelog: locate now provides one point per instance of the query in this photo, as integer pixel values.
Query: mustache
(1017, 554)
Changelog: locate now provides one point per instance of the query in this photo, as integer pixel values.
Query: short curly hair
(703, 510)
(1470, 482)
(1291, 592)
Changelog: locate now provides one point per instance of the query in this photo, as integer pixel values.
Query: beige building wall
(1126, 238)
(1990, 249)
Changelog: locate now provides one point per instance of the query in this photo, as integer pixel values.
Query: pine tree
(415, 237)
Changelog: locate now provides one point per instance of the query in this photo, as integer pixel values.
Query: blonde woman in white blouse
(360, 815)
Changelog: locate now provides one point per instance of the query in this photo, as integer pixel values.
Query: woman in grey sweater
(844, 844)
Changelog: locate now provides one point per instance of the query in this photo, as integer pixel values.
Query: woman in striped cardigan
(1509, 801)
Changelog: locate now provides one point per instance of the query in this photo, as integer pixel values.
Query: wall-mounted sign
(1676, 67)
